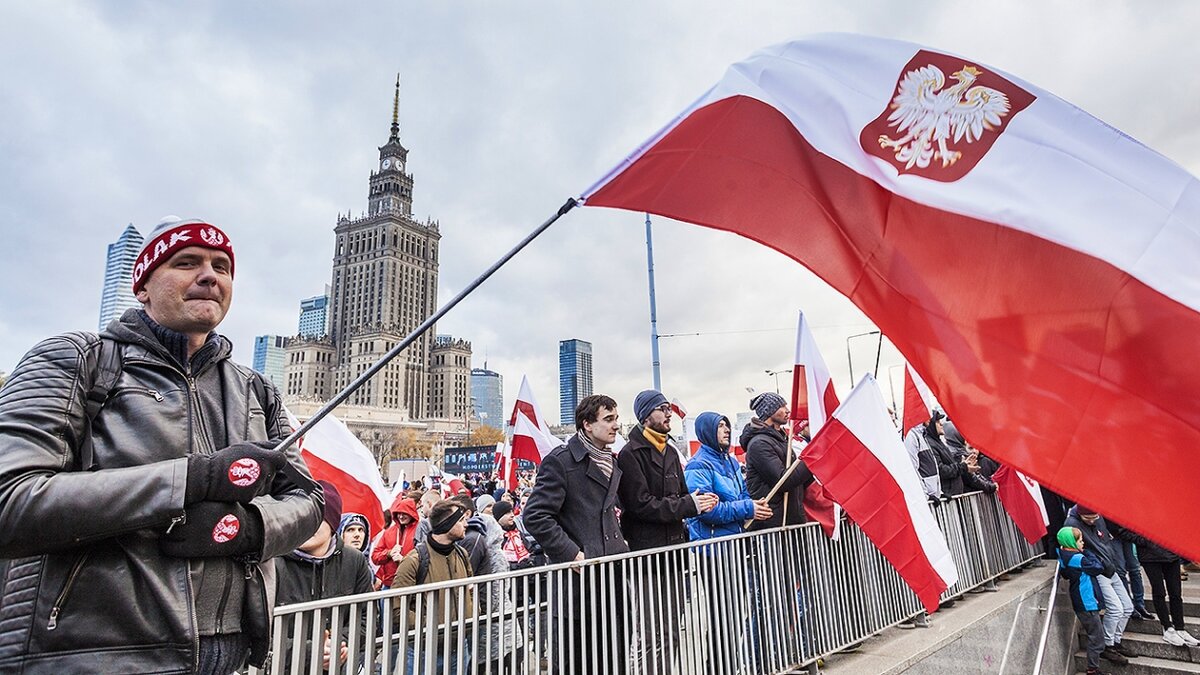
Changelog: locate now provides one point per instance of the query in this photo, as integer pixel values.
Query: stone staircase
(1144, 638)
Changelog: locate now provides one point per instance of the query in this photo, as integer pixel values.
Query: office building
(314, 316)
(117, 295)
(487, 391)
(270, 356)
(574, 377)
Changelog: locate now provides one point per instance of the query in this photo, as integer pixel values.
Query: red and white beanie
(172, 235)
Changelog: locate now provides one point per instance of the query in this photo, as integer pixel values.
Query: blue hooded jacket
(715, 471)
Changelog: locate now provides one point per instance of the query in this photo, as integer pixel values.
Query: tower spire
(396, 112)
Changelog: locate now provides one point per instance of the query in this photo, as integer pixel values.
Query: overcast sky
(265, 119)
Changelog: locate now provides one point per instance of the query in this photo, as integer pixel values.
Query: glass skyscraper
(313, 313)
(270, 358)
(118, 276)
(574, 377)
(487, 391)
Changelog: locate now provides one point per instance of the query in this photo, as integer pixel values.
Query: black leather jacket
(83, 545)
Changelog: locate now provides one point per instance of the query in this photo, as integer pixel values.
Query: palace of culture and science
(384, 284)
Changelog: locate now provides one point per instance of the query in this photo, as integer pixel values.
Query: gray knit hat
(766, 404)
(646, 402)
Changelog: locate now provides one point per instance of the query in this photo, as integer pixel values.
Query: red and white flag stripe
(813, 400)
(335, 454)
(1034, 264)
(865, 468)
(1021, 497)
(813, 395)
(918, 400)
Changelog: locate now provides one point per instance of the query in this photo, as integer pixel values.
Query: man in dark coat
(768, 458)
(321, 568)
(654, 504)
(572, 514)
(654, 495)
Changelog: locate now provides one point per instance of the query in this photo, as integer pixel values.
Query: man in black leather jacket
(140, 492)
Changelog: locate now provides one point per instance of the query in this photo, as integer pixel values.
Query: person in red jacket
(397, 540)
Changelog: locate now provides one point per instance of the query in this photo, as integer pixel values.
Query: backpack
(109, 366)
(422, 549)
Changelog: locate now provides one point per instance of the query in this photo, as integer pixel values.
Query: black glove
(934, 502)
(214, 530)
(237, 473)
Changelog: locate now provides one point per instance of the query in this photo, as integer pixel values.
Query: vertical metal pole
(654, 363)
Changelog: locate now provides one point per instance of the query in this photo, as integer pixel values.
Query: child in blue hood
(714, 470)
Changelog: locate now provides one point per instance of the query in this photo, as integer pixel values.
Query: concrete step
(1146, 644)
(1143, 665)
(1153, 627)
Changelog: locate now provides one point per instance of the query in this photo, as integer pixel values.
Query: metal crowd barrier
(752, 603)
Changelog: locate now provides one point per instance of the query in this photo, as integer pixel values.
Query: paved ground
(1011, 611)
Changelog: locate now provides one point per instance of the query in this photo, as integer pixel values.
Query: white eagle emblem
(930, 117)
(211, 236)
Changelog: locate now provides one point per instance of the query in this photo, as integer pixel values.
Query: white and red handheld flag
(918, 400)
(452, 484)
(531, 437)
(334, 454)
(813, 400)
(1021, 497)
(865, 468)
(1033, 263)
(813, 395)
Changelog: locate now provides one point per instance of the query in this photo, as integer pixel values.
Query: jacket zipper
(62, 596)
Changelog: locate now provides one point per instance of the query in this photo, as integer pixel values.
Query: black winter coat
(767, 458)
(302, 579)
(654, 495)
(1098, 538)
(573, 507)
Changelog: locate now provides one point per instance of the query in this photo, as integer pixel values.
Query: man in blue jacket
(712, 470)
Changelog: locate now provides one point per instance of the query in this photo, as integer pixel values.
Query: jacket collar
(131, 329)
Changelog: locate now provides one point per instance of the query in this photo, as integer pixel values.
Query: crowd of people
(146, 519)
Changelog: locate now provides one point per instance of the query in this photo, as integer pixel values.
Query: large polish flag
(864, 466)
(918, 401)
(813, 400)
(1021, 497)
(1034, 264)
(531, 437)
(335, 454)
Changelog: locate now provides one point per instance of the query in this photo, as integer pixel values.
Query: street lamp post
(777, 373)
(850, 361)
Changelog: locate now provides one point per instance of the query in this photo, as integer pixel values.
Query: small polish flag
(864, 466)
(813, 399)
(1021, 497)
(813, 395)
(531, 437)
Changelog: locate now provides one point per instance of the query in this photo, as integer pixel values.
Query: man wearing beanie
(654, 495)
(323, 567)
(139, 481)
(436, 558)
(768, 457)
(654, 504)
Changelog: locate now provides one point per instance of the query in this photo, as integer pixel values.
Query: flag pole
(654, 362)
(344, 394)
(771, 495)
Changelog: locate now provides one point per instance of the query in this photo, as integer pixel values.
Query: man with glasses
(654, 504)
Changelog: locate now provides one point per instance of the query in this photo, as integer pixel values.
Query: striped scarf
(603, 457)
